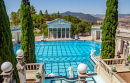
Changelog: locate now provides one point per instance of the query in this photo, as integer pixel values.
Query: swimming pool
(59, 55)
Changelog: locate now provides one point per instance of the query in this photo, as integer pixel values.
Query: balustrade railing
(118, 61)
(39, 67)
(107, 70)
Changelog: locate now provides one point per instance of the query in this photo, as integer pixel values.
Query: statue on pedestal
(92, 52)
(71, 72)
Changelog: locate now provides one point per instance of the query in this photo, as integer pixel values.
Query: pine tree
(32, 9)
(109, 29)
(46, 16)
(58, 15)
(27, 37)
(6, 45)
(40, 13)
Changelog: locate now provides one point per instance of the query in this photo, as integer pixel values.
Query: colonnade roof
(59, 21)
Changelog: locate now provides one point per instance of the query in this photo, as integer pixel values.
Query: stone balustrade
(117, 61)
(106, 73)
(32, 69)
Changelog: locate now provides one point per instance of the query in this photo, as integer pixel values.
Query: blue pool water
(59, 55)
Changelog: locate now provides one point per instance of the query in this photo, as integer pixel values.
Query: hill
(87, 17)
(127, 16)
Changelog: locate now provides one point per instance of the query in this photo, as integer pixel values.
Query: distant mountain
(127, 16)
(91, 17)
(98, 15)
(87, 17)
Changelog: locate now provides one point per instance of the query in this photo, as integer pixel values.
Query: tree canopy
(32, 10)
(39, 21)
(40, 13)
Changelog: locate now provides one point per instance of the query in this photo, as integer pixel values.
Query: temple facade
(59, 29)
(96, 33)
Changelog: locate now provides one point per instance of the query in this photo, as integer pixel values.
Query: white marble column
(95, 35)
(61, 32)
(100, 35)
(125, 50)
(119, 44)
(65, 32)
(19, 36)
(91, 34)
(69, 32)
(48, 33)
(52, 33)
(15, 34)
(57, 32)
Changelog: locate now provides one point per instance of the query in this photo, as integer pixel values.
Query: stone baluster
(82, 68)
(7, 73)
(21, 66)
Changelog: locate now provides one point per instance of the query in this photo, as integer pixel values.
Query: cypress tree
(6, 45)
(27, 37)
(109, 27)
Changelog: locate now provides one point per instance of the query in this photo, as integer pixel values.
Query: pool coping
(89, 74)
(62, 40)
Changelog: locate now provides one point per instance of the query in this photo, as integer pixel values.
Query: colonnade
(61, 33)
(17, 36)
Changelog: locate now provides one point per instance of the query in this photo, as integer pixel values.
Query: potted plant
(113, 68)
(37, 75)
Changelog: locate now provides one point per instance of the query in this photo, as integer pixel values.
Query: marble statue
(71, 72)
(51, 75)
(92, 52)
(76, 37)
(42, 38)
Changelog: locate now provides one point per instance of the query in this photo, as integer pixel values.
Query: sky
(84, 6)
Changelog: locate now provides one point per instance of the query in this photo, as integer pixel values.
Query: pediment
(59, 21)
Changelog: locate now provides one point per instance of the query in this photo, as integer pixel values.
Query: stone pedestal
(21, 67)
(82, 77)
(7, 73)
(82, 68)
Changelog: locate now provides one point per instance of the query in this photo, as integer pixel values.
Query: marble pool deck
(38, 38)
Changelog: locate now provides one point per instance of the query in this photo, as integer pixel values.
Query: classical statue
(51, 75)
(42, 38)
(92, 52)
(71, 72)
